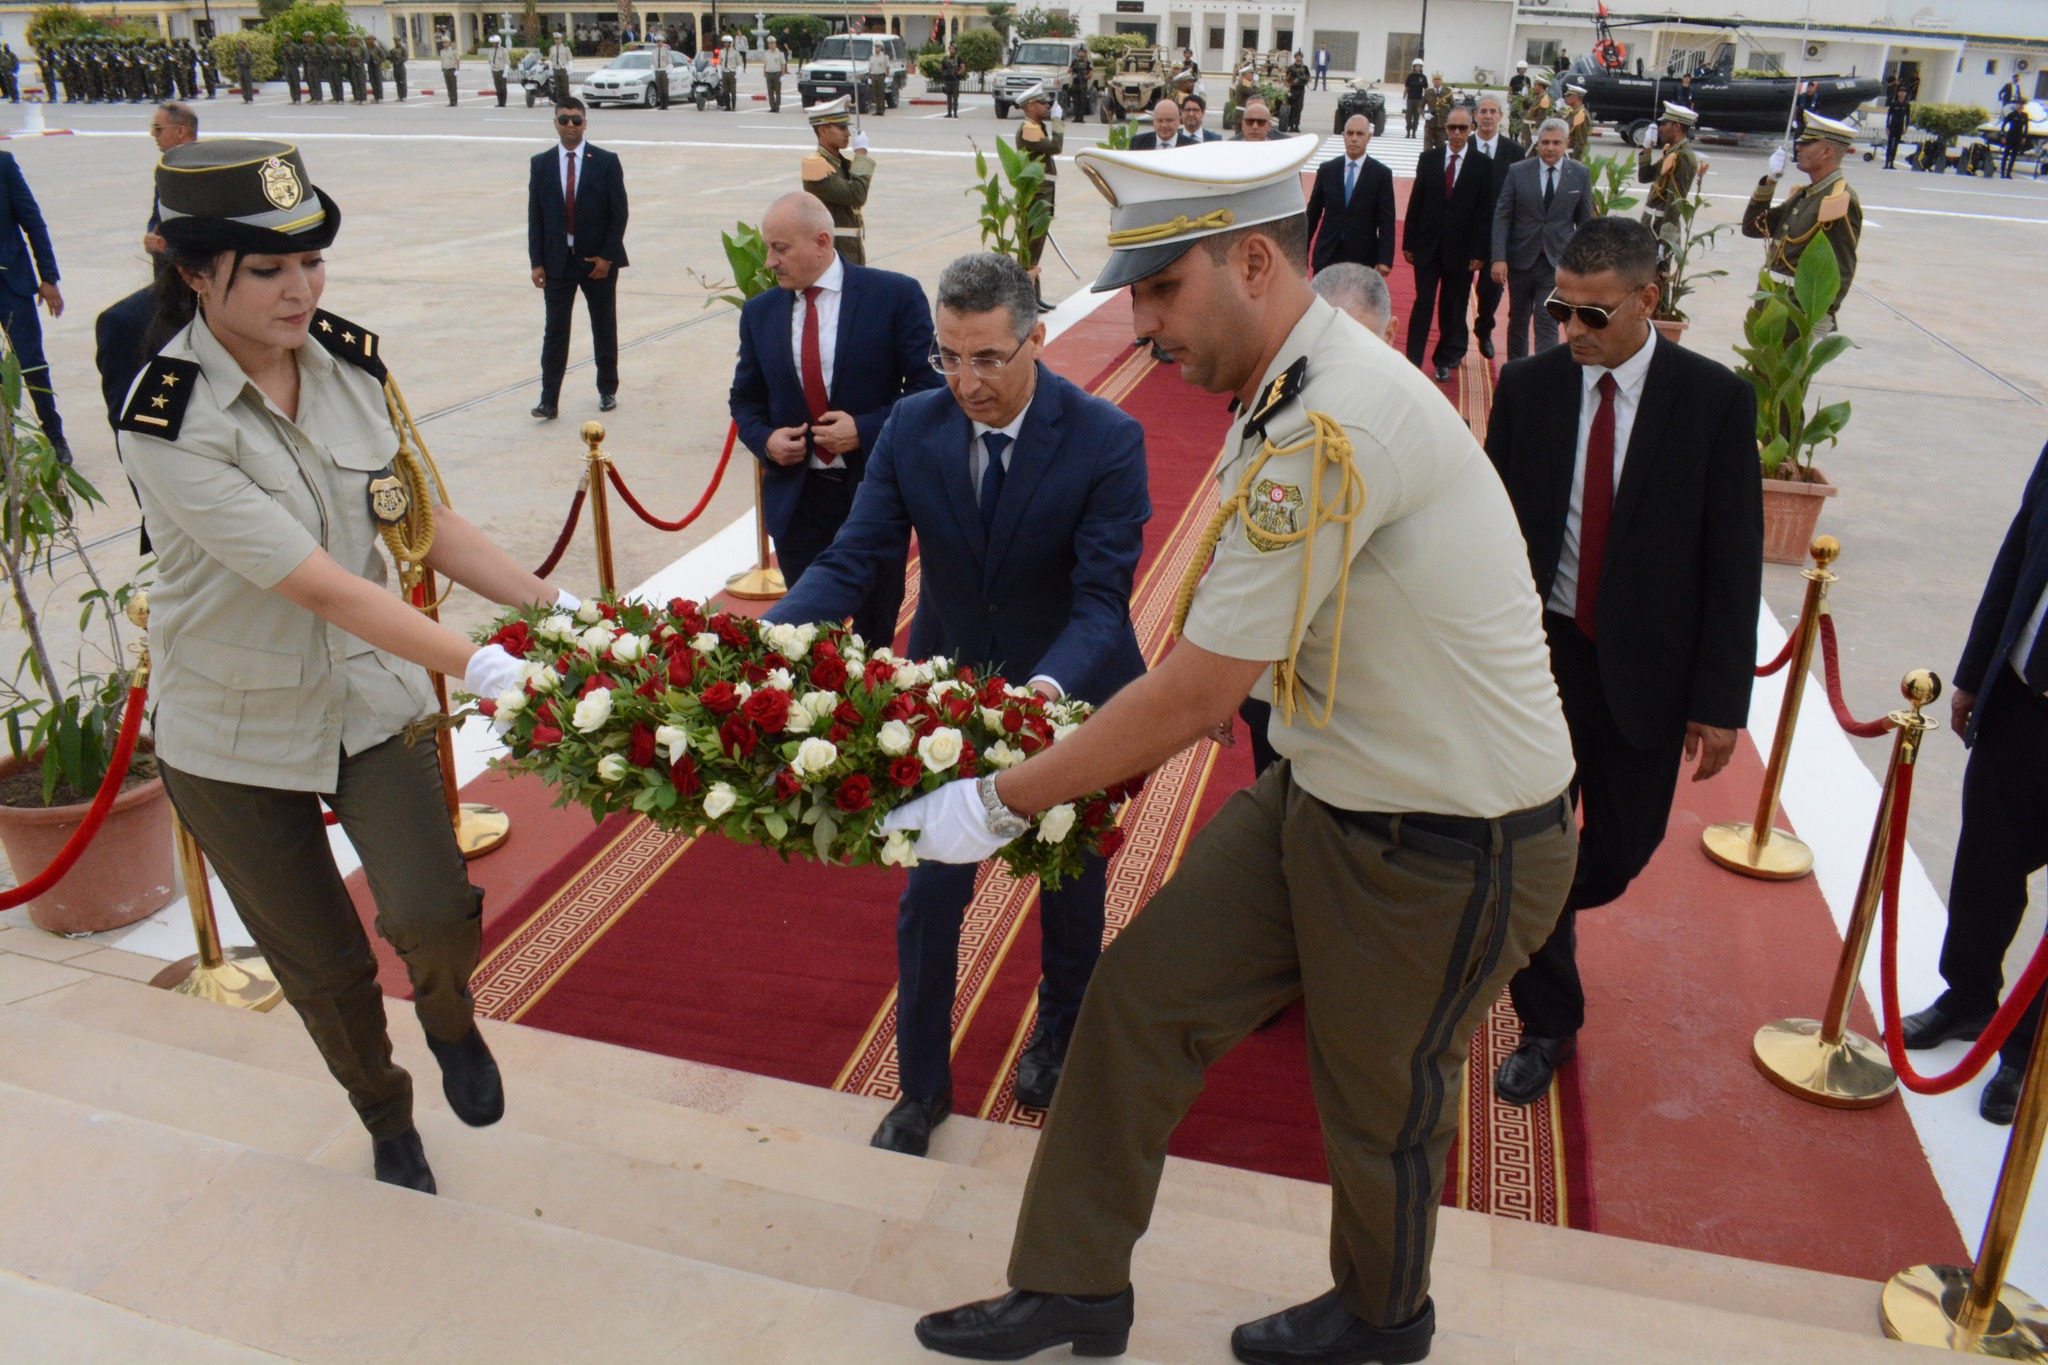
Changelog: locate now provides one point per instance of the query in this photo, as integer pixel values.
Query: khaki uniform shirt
(773, 62)
(1444, 700)
(1827, 207)
(249, 687)
(1670, 173)
(843, 184)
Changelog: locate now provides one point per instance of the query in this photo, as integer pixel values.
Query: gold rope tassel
(1332, 456)
(413, 537)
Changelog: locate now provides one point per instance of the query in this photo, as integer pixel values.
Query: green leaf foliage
(981, 50)
(1787, 342)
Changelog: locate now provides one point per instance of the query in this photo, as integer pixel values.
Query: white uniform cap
(1041, 92)
(830, 111)
(1161, 203)
(1574, 88)
(494, 40)
(1521, 66)
(1416, 62)
(1678, 113)
(1819, 128)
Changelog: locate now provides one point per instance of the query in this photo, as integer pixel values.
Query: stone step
(45, 1324)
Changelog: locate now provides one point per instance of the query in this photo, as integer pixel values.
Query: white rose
(813, 756)
(745, 690)
(629, 648)
(1001, 755)
(940, 749)
(704, 642)
(898, 851)
(511, 701)
(779, 677)
(597, 639)
(783, 639)
(1056, 824)
(612, 768)
(856, 658)
(1060, 732)
(1020, 692)
(806, 636)
(556, 627)
(852, 640)
(798, 722)
(672, 740)
(820, 704)
(894, 739)
(884, 655)
(545, 681)
(944, 687)
(992, 718)
(592, 712)
(588, 613)
(718, 800)
(906, 676)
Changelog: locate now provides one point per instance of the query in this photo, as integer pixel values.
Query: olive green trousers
(270, 849)
(1398, 940)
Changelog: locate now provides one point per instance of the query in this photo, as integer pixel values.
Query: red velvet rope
(1831, 665)
(732, 433)
(102, 802)
(1784, 657)
(2001, 1026)
(562, 541)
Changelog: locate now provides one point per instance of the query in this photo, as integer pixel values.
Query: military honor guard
(399, 55)
(1578, 122)
(451, 63)
(335, 59)
(1537, 107)
(1414, 88)
(1670, 167)
(500, 63)
(774, 62)
(313, 61)
(1824, 207)
(290, 57)
(266, 461)
(373, 53)
(1369, 579)
(840, 180)
(1436, 103)
(1042, 141)
(1898, 117)
(245, 73)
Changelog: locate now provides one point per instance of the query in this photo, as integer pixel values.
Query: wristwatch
(1003, 822)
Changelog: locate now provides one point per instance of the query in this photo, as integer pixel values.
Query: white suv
(1038, 59)
(840, 67)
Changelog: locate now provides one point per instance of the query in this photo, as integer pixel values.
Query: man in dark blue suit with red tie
(28, 274)
(1029, 501)
(823, 360)
(2000, 708)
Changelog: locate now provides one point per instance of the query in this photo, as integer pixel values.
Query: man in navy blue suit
(2000, 708)
(823, 360)
(1028, 497)
(24, 282)
(576, 240)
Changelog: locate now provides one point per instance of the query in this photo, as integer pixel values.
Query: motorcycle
(537, 77)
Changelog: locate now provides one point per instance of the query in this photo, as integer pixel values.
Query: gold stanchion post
(239, 976)
(479, 828)
(600, 509)
(763, 582)
(1824, 1060)
(1756, 849)
(1972, 1310)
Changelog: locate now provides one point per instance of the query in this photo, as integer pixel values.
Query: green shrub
(981, 50)
(262, 54)
(310, 18)
(1949, 120)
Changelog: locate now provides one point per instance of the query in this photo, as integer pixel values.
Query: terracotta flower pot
(1791, 511)
(1671, 329)
(126, 873)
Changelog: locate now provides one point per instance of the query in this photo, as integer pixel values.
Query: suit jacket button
(991, 610)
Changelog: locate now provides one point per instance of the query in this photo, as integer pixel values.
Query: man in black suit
(1165, 131)
(1351, 207)
(1501, 152)
(1193, 110)
(1631, 463)
(2000, 708)
(576, 240)
(1446, 239)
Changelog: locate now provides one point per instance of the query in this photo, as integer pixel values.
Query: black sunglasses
(569, 120)
(1592, 315)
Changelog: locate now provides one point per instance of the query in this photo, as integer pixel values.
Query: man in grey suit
(1542, 202)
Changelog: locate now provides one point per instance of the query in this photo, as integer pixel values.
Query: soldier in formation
(1670, 167)
(313, 61)
(245, 73)
(373, 54)
(10, 74)
(290, 60)
(842, 181)
(1042, 141)
(398, 56)
(1415, 87)
(500, 62)
(559, 57)
(335, 57)
(1825, 207)
(1579, 122)
(1438, 101)
(1538, 107)
(1298, 77)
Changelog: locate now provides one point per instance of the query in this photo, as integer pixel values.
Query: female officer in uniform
(286, 670)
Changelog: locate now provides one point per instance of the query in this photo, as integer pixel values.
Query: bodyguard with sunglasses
(576, 242)
(1029, 500)
(1631, 463)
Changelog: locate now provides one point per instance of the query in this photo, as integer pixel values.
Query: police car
(629, 80)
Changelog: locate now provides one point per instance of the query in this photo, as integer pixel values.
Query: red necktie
(1451, 175)
(1596, 509)
(814, 364)
(569, 199)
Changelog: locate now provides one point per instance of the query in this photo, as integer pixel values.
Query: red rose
(546, 735)
(964, 675)
(768, 708)
(651, 688)
(906, 771)
(772, 661)
(829, 674)
(720, 699)
(959, 706)
(846, 713)
(680, 606)
(598, 683)
(1013, 720)
(688, 619)
(682, 670)
(787, 784)
(640, 746)
(823, 650)
(683, 775)
(902, 706)
(1112, 840)
(514, 638)
(487, 707)
(754, 673)
(839, 734)
(1030, 742)
(968, 760)
(878, 673)
(854, 794)
(562, 664)
(731, 629)
(738, 738)
(608, 610)
(993, 692)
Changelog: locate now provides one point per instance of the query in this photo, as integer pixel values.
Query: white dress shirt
(2023, 643)
(977, 465)
(1628, 394)
(829, 286)
(568, 155)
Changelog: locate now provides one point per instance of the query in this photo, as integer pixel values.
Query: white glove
(1778, 160)
(567, 601)
(491, 671)
(860, 142)
(951, 825)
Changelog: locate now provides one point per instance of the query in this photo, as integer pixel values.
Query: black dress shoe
(908, 1127)
(1525, 1075)
(402, 1161)
(1038, 1070)
(2001, 1095)
(607, 401)
(469, 1078)
(544, 411)
(1325, 1332)
(1934, 1026)
(63, 450)
(1443, 374)
(1486, 347)
(1022, 1323)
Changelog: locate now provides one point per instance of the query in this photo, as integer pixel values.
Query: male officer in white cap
(1669, 166)
(840, 180)
(1826, 207)
(1414, 87)
(1578, 123)
(1042, 140)
(1368, 579)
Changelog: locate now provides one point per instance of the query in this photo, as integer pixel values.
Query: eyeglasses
(1257, 122)
(1592, 315)
(984, 366)
(569, 120)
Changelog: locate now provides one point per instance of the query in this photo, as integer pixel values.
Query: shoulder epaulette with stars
(1282, 391)
(346, 341)
(156, 405)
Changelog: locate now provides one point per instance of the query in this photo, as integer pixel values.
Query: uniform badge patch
(1835, 207)
(1275, 396)
(156, 405)
(281, 184)
(815, 167)
(390, 499)
(1270, 513)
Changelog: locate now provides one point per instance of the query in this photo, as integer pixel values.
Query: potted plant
(62, 718)
(1611, 175)
(1788, 337)
(1012, 214)
(1681, 239)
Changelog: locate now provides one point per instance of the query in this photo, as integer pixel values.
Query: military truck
(1142, 79)
(1038, 59)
